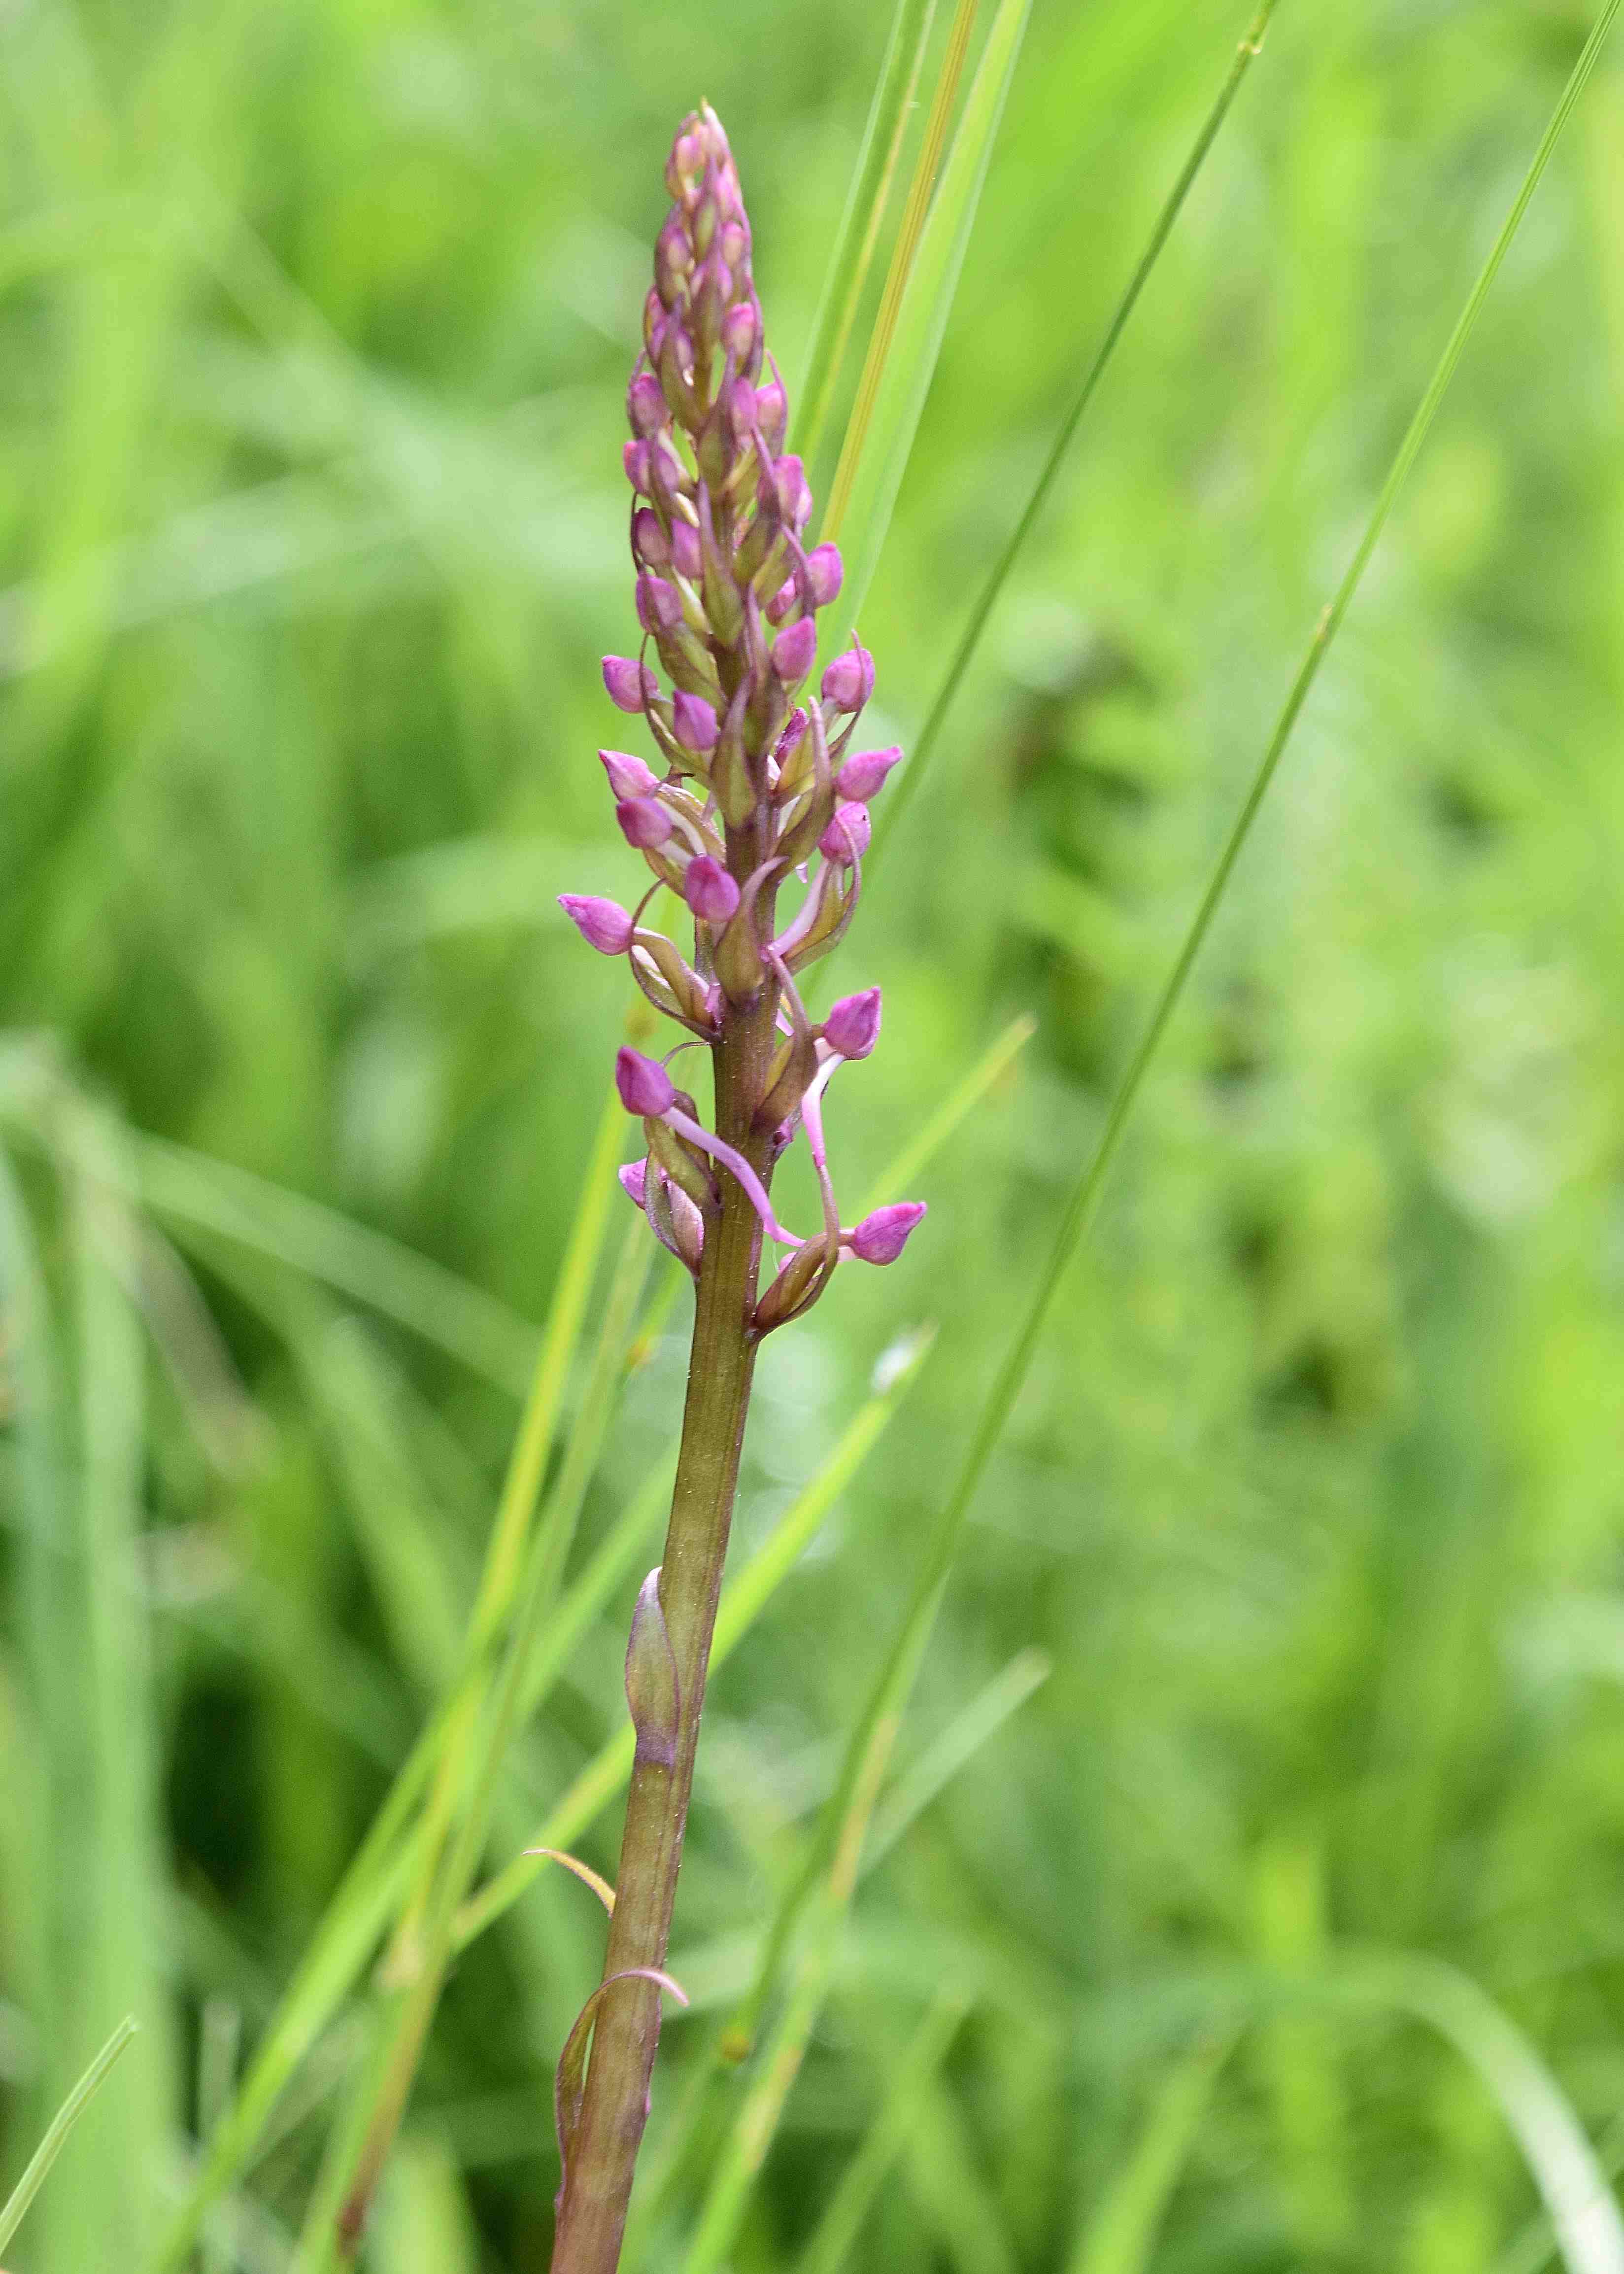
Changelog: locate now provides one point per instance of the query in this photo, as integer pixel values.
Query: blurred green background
(314, 323)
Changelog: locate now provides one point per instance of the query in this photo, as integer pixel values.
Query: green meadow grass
(1222, 1869)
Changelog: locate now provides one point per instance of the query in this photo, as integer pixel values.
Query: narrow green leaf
(969, 639)
(853, 253)
(836, 2234)
(881, 435)
(1579, 2202)
(972, 1727)
(66, 2117)
(1120, 2235)
(915, 1157)
(926, 168)
(186, 1189)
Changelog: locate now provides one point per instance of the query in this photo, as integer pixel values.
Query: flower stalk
(762, 798)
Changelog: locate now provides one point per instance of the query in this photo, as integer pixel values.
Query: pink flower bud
(644, 822)
(659, 606)
(847, 838)
(772, 412)
(740, 398)
(635, 458)
(853, 1027)
(710, 891)
(881, 1237)
(738, 331)
(645, 405)
(782, 601)
(646, 1090)
(849, 681)
(825, 574)
(861, 775)
(694, 722)
(628, 777)
(630, 685)
(685, 557)
(603, 924)
(793, 650)
(790, 491)
(649, 541)
(634, 1177)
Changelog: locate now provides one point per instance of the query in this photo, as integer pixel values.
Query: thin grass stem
(969, 639)
(66, 2117)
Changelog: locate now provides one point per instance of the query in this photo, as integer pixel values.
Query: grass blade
(837, 2231)
(970, 1728)
(903, 360)
(860, 223)
(187, 1189)
(898, 1177)
(1578, 2199)
(926, 168)
(969, 639)
(1120, 2235)
(66, 2117)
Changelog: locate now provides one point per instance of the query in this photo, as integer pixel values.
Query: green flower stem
(600, 2164)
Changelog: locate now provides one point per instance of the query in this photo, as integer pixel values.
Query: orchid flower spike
(756, 791)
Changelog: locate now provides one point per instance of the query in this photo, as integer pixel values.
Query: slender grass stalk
(861, 221)
(879, 441)
(895, 1676)
(969, 639)
(926, 168)
(1120, 2235)
(836, 2234)
(66, 2117)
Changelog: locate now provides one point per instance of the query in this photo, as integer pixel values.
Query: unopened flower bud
(853, 1027)
(649, 541)
(849, 681)
(782, 601)
(644, 822)
(659, 606)
(881, 1237)
(685, 555)
(646, 1088)
(635, 458)
(826, 573)
(790, 490)
(738, 331)
(603, 924)
(847, 838)
(634, 1179)
(630, 685)
(628, 777)
(865, 774)
(793, 650)
(645, 405)
(710, 891)
(772, 412)
(694, 723)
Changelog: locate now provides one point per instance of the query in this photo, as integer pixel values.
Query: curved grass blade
(66, 2117)
(185, 1188)
(1120, 2235)
(860, 223)
(837, 2231)
(1574, 2187)
(969, 638)
(895, 1676)
(926, 168)
(902, 360)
